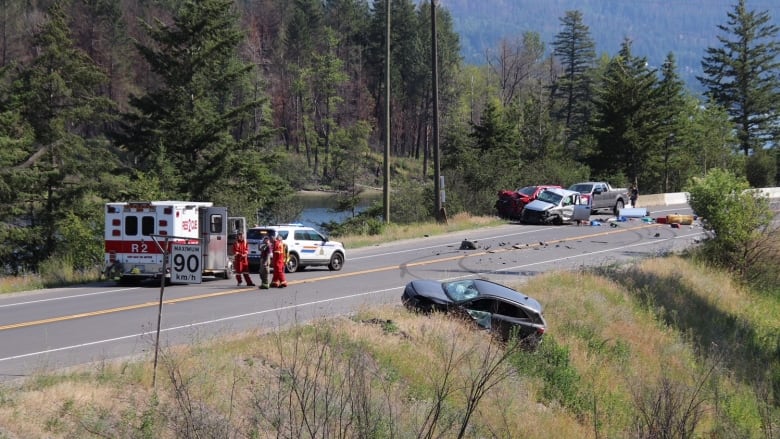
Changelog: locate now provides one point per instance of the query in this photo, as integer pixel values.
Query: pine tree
(743, 75)
(671, 108)
(54, 164)
(187, 130)
(576, 52)
(627, 122)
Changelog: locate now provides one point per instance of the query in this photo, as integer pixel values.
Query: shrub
(738, 218)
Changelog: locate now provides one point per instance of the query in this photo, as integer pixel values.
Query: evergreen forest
(243, 103)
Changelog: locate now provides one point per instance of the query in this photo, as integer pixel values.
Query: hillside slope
(656, 27)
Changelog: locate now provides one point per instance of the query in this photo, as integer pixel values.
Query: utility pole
(386, 187)
(441, 215)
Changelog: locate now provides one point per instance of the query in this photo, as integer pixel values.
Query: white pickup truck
(601, 195)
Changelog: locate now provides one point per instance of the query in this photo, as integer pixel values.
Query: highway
(54, 328)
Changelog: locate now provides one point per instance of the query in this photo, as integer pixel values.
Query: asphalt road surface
(60, 327)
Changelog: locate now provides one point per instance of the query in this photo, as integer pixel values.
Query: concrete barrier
(676, 198)
(771, 192)
(672, 198)
(651, 200)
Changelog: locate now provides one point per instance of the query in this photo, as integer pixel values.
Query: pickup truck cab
(555, 206)
(601, 195)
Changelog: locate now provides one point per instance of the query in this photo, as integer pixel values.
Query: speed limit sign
(185, 264)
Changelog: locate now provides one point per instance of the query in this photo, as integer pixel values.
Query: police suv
(305, 246)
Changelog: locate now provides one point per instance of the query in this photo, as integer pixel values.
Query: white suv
(306, 247)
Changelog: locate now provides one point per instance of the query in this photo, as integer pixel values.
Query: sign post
(185, 268)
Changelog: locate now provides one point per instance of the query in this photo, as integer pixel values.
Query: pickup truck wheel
(618, 206)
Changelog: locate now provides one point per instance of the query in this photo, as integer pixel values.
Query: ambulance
(137, 232)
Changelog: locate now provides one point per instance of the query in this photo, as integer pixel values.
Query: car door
(308, 245)
(500, 316)
(567, 207)
(581, 210)
(599, 196)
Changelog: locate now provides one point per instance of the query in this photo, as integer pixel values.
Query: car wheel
(618, 206)
(336, 262)
(293, 264)
(557, 220)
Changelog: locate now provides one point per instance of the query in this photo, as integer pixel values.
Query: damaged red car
(510, 204)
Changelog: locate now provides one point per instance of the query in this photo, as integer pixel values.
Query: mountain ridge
(656, 27)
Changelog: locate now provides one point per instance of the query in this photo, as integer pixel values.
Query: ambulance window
(131, 225)
(147, 225)
(216, 224)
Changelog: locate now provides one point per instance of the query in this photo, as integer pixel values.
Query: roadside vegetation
(679, 346)
(59, 272)
(667, 347)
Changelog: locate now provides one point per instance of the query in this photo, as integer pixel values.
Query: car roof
(562, 192)
(281, 227)
(488, 288)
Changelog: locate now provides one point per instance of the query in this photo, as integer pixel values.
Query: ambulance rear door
(214, 241)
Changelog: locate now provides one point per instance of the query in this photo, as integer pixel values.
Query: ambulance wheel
(293, 264)
(113, 271)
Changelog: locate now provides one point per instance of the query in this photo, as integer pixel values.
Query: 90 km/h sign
(185, 264)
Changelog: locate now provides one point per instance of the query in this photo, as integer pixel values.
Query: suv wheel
(336, 262)
(293, 263)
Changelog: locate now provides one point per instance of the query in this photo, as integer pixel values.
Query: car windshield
(461, 290)
(528, 190)
(258, 234)
(581, 188)
(549, 197)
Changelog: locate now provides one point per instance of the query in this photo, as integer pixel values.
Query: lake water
(318, 207)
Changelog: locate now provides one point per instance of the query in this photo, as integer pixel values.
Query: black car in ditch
(500, 309)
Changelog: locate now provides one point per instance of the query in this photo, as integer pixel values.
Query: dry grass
(625, 333)
(396, 232)
(11, 284)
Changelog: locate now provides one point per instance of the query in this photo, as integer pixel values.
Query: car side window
(498, 307)
(486, 305)
(511, 310)
(301, 235)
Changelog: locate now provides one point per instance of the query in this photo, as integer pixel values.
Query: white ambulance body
(131, 253)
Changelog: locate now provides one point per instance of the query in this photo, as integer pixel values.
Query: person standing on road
(241, 260)
(280, 258)
(265, 262)
(633, 194)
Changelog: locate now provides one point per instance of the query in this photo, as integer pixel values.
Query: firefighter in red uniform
(241, 260)
(279, 260)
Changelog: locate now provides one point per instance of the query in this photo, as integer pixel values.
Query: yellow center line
(306, 281)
